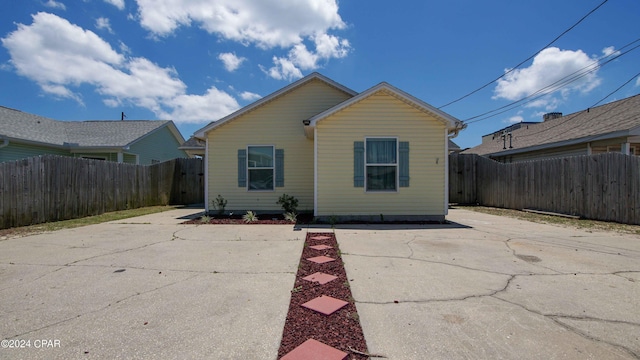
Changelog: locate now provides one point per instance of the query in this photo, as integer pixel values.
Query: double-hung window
(381, 163)
(260, 167)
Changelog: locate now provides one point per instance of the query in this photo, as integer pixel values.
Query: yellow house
(377, 154)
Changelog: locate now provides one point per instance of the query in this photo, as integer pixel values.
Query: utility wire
(524, 61)
(577, 75)
(616, 90)
(583, 111)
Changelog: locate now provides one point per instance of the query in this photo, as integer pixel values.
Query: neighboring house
(194, 147)
(453, 147)
(614, 127)
(24, 135)
(379, 154)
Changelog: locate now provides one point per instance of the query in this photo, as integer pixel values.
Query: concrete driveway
(148, 288)
(495, 288)
(487, 288)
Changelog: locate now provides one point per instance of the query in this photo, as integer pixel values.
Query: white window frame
(397, 165)
(273, 169)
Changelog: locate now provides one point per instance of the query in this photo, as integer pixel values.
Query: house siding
(16, 151)
(384, 115)
(280, 123)
(160, 145)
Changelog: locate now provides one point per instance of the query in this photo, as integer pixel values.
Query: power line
(584, 111)
(575, 76)
(616, 90)
(524, 61)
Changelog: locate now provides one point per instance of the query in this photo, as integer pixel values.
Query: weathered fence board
(601, 187)
(51, 188)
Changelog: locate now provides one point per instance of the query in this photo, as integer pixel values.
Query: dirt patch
(341, 329)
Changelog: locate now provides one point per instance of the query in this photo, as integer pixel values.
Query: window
(260, 165)
(381, 163)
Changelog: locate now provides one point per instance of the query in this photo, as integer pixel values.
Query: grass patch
(89, 220)
(582, 224)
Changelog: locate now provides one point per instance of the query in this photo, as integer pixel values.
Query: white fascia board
(449, 121)
(202, 132)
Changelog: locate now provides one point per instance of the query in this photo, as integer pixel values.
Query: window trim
(273, 169)
(397, 165)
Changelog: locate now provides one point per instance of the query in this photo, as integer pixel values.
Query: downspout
(5, 143)
(205, 160)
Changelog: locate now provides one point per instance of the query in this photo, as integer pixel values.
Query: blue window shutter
(358, 164)
(242, 168)
(279, 167)
(404, 164)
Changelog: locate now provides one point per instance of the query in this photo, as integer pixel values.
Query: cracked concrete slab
(476, 328)
(385, 280)
(138, 289)
(608, 297)
(203, 316)
(494, 287)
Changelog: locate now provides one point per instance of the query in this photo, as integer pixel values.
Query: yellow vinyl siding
(277, 123)
(380, 114)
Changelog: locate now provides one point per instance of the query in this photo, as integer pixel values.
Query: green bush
(219, 204)
(289, 203)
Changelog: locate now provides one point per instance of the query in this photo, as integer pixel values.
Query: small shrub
(293, 217)
(288, 203)
(250, 217)
(219, 203)
(205, 219)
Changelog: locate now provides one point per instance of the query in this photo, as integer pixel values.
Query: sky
(196, 61)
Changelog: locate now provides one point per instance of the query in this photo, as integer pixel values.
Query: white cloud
(267, 23)
(515, 119)
(104, 24)
(284, 69)
(548, 67)
(55, 5)
(213, 105)
(286, 24)
(610, 50)
(300, 58)
(231, 61)
(117, 3)
(60, 56)
(249, 96)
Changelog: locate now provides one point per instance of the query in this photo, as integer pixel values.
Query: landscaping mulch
(268, 219)
(341, 329)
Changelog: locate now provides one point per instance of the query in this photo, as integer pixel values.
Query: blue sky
(195, 61)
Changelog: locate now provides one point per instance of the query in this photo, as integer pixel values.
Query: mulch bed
(269, 219)
(341, 329)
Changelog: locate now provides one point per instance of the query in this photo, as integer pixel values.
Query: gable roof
(21, 126)
(453, 124)
(313, 76)
(615, 119)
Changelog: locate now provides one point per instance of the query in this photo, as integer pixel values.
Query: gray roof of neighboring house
(193, 143)
(19, 125)
(616, 119)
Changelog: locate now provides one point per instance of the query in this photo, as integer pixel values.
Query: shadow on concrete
(381, 226)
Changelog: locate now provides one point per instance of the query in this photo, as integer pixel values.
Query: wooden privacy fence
(600, 187)
(51, 188)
